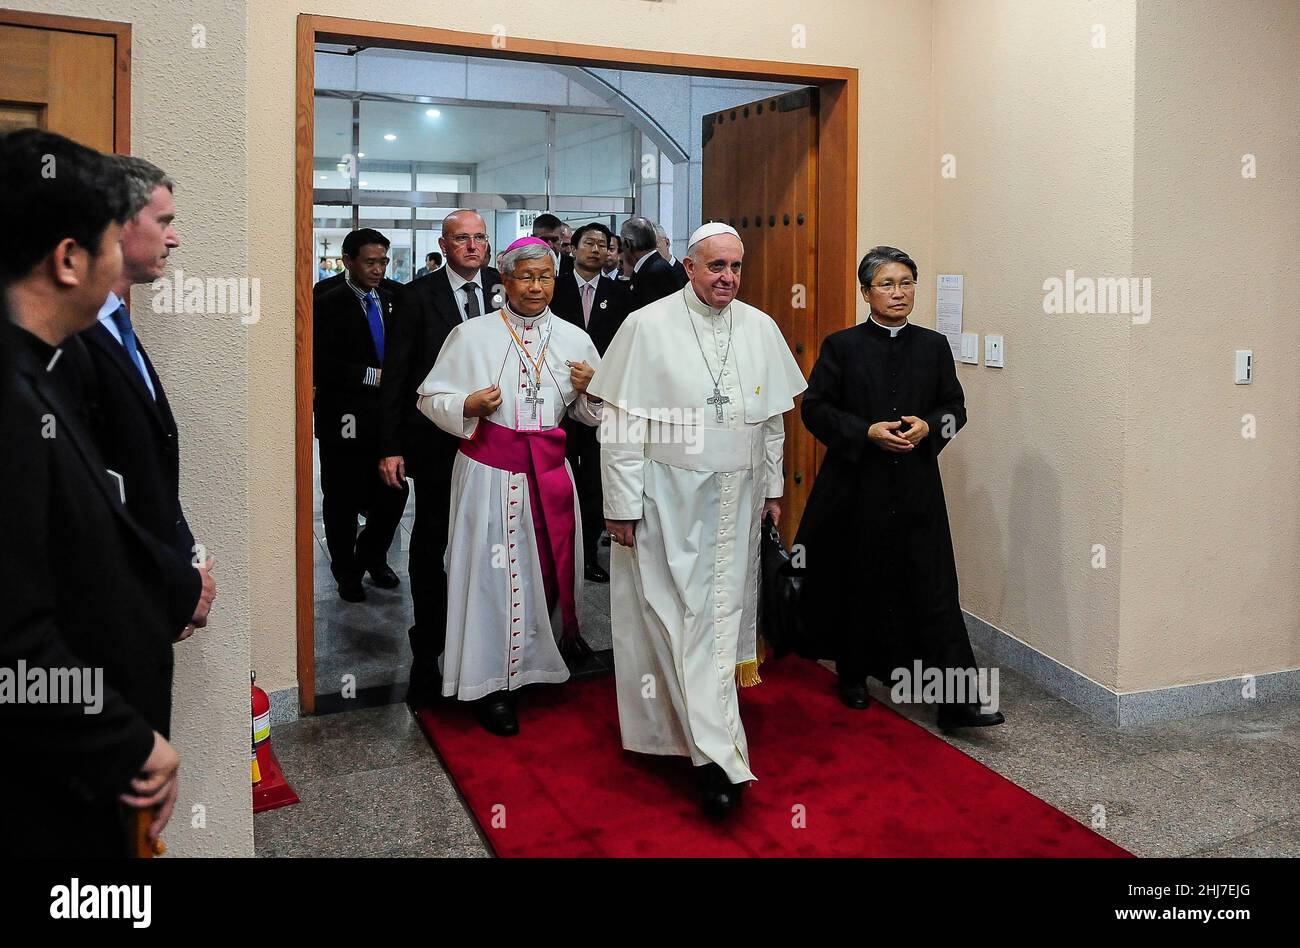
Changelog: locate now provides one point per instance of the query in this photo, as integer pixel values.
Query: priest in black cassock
(881, 583)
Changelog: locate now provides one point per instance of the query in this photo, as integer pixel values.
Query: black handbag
(780, 584)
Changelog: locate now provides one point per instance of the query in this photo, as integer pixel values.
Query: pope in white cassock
(502, 382)
(694, 387)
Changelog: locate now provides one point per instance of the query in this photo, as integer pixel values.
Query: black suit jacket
(424, 314)
(608, 308)
(679, 270)
(81, 591)
(136, 436)
(652, 282)
(342, 350)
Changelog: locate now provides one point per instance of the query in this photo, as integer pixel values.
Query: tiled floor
(1220, 784)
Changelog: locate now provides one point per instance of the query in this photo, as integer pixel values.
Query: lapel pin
(604, 303)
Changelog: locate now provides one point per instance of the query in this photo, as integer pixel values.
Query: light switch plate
(1244, 367)
(970, 348)
(993, 351)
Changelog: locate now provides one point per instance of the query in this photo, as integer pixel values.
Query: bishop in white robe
(503, 382)
(694, 388)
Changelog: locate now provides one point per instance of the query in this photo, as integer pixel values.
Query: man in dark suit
(551, 229)
(589, 299)
(127, 409)
(349, 329)
(81, 598)
(424, 313)
(613, 266)
(665, 245)
(432, 261)
(651, 277)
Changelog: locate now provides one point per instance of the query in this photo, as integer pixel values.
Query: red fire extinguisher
(270, 789)
(261, 728)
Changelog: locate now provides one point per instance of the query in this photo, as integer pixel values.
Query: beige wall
(1116, 162)
(895, 101)
(188, 115)
(1040, 124)
(1212, 519)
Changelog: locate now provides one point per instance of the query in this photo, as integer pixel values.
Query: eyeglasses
(907, 286)
(543, 278)
(460, 240)
(718, 266)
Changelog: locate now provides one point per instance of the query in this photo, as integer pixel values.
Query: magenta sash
(540, 456)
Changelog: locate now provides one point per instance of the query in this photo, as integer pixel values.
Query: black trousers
(350, 485)
(425, 565)
(906, 622)
(583, 451)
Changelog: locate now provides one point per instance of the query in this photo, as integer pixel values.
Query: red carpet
(866, 783)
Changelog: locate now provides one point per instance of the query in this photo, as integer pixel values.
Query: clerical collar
(38, 346)
(892, 331)
(694, 303)
(527, 322)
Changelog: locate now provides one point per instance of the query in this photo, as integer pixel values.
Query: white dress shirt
(458, 290)
(106, 317)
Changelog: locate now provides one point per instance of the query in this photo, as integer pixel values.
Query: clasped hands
(883, 434)
(485, 401)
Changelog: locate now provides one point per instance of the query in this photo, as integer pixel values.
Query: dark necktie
(122, 320)
(376, 324)
(471, 301)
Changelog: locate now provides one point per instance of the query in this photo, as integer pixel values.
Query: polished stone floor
(1215, 785)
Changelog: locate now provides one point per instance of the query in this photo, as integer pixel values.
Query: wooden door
(760, 176)
(67, 75)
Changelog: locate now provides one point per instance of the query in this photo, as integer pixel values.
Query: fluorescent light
(361, 154)
(432, 113)
(324, 177)
(390, 137)
(364, 183)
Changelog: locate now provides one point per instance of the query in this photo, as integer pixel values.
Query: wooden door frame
(121, 33)
(837, 201)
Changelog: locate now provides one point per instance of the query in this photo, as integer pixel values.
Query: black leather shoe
(496, 713)
(854, 695)
(595, 573)
(967, 715)
(718, 795)
(383, 576)
(350, 590)
(576, 652)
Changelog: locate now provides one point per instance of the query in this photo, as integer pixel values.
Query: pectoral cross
(534, 397)
(717, 401)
